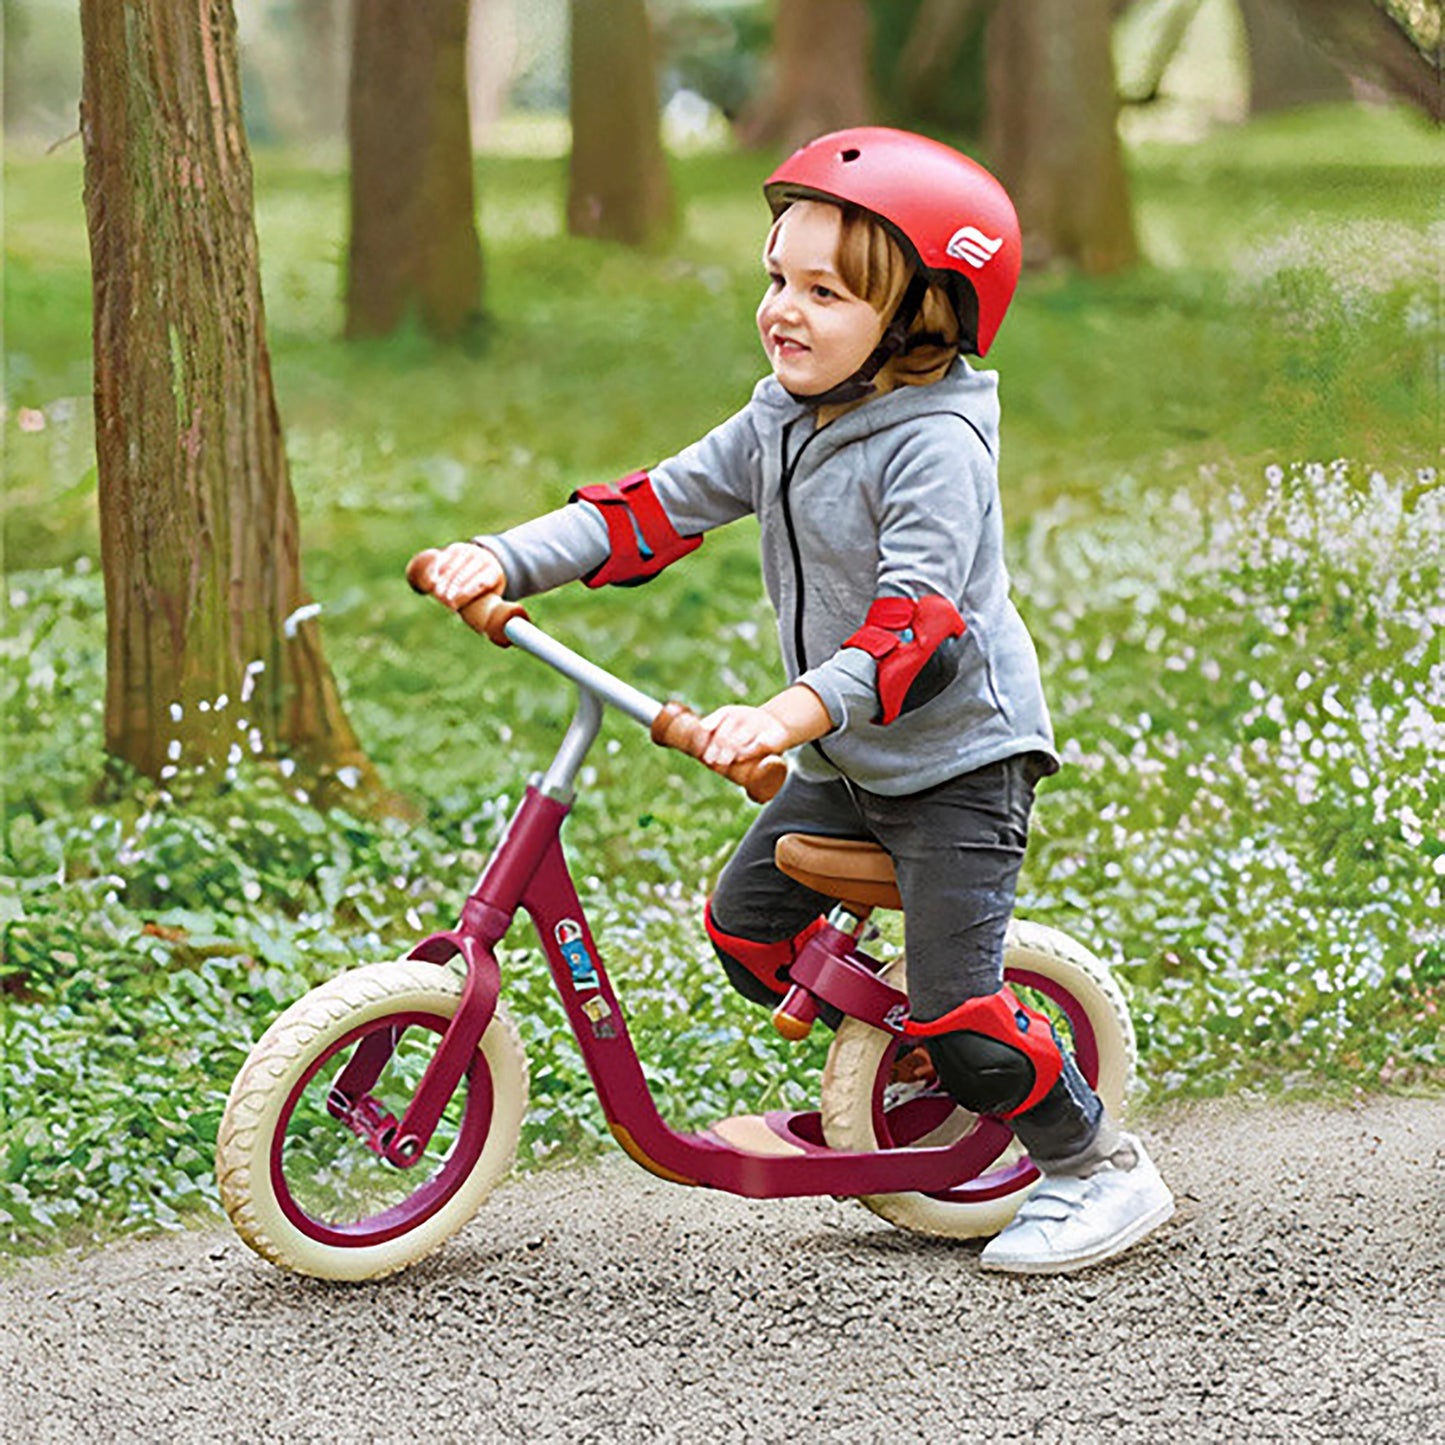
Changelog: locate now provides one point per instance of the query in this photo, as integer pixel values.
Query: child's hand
(463, 572)
(740, 732)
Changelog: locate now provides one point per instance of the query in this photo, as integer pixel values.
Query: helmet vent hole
(849, 155)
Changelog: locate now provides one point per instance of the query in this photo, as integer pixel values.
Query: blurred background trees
(820, 77)
(414, 251)
(1052, 133)
(617, 182)
(773, 73)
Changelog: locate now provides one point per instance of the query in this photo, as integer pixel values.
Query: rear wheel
(864, 1109)
(297, 1156)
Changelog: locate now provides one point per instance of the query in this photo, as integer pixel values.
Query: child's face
(815, 331)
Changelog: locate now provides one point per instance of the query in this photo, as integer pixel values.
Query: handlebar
(671, 725)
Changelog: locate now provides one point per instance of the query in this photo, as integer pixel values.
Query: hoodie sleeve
(708, 484)
(938, 488)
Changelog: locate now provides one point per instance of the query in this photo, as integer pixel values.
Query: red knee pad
(1001, 1017)
(765, 961)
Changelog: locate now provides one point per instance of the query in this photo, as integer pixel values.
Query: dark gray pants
(957, 849)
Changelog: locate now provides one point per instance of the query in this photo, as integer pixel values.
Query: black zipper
(785, 482)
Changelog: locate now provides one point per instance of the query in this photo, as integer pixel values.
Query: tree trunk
(1367, 41)
(1285, 68)
(821, 81)
(939, 30)
(1053, 131)
(618, 188)
(199, 538)
(414, 246)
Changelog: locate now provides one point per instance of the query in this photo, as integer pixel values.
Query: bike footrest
(753, 1134)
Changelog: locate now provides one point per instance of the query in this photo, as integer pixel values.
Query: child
(916, 708)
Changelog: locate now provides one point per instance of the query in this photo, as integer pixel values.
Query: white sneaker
(1069, 1223)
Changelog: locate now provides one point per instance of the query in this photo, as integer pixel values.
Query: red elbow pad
(641, 538)
(902, 635)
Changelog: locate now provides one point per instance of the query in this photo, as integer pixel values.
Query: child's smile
(815, 331)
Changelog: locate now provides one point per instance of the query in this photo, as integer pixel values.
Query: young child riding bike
(915, 710)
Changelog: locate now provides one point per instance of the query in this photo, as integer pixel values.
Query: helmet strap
(893, 341)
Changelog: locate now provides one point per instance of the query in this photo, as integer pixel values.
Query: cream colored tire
(857, 1062)
(273, 1074)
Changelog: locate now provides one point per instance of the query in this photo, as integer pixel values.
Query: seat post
(850, 918)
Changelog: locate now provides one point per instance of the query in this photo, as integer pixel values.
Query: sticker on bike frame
(580, 962)
(600, 1012)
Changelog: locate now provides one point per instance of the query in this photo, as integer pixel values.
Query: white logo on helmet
(971, 245)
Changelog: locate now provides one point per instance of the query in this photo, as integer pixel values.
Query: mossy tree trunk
(1052, 131)
(414, 249)
(822, 50)
(199, 537)
(618, 188)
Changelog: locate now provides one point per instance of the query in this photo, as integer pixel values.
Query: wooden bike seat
(851, 870)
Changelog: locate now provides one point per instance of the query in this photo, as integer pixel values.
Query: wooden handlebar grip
(679, 727)
(487, 614)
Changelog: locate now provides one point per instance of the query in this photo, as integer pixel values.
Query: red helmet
(949, 213)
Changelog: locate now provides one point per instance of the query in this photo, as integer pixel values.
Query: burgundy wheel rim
(432, 1192)
(989, 1138)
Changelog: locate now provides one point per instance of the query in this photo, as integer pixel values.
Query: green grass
(1240, 640)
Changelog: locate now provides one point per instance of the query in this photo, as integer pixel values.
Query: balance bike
(376, 1114)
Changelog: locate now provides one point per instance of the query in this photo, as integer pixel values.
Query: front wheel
(300, 1176)
(864, 1109)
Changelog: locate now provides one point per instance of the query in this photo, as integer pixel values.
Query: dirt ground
(1298, 1295)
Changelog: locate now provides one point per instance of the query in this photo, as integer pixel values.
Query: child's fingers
(463, 573)
(735, 737)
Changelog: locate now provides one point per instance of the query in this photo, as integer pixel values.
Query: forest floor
(1297, 1295)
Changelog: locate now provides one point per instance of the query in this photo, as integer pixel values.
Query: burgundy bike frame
(528, 871)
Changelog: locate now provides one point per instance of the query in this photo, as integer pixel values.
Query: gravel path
(1297, 1296)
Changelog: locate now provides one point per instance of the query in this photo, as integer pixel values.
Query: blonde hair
(874, 268)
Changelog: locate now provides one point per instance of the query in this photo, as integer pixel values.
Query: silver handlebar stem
(612, 690)
(595, 686)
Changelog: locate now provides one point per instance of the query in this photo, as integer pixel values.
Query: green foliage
(1253, 824)
(1242, 654)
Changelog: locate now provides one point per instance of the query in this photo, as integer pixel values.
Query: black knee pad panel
(746, 982)
(983, 1074)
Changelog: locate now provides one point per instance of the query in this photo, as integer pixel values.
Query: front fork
(403, 1142)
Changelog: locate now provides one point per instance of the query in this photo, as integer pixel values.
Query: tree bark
(618, 188)
(199, 538)
(1052, 133)
(820, 82)
(414, 248)
(1364, 39)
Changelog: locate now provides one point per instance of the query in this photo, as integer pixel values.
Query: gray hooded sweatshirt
(895, 498)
